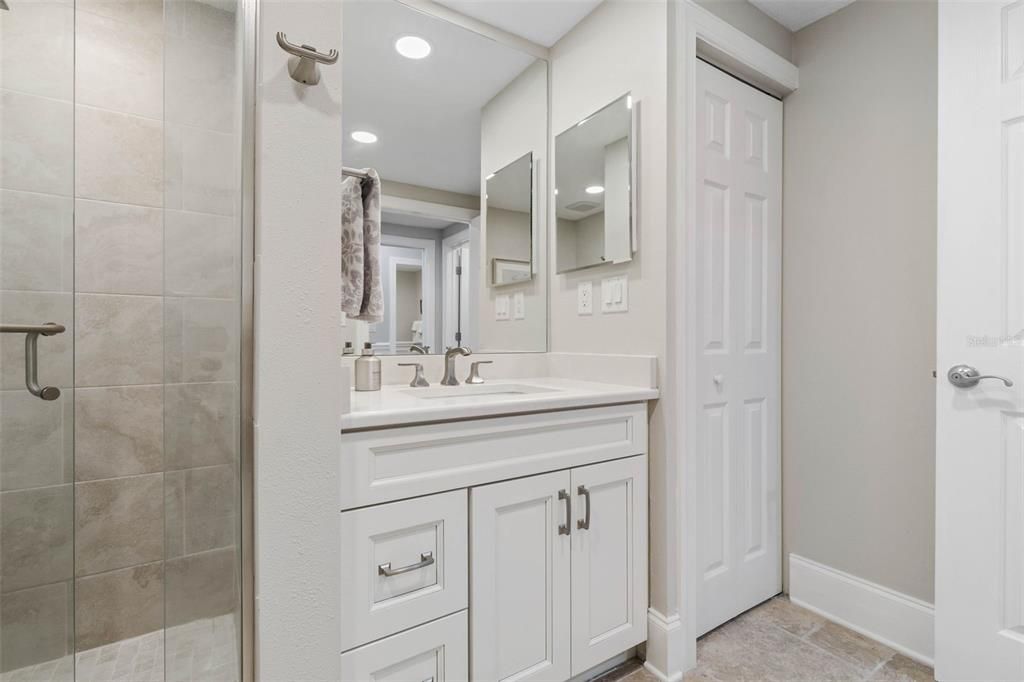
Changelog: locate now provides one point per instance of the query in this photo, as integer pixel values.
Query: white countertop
(395, 405)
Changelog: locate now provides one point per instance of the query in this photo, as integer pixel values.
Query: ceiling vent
(583, 206)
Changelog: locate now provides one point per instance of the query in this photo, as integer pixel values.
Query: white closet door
(519, 579)
(739, 212)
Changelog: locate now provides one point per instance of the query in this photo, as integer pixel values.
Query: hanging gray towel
(361, 295)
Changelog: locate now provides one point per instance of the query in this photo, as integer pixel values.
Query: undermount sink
(476, 391)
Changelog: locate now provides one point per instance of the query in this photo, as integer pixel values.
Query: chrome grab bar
(32, 333)
(426, 559)
(584, 523)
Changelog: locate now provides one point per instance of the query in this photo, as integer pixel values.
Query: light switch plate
(501, 308)
(519, 306)
(615, 294)
(585, 298)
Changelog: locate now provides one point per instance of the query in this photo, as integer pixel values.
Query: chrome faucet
(449, 364)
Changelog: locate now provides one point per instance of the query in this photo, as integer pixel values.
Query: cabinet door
(519, 579)
(609, 560)
(435, 652)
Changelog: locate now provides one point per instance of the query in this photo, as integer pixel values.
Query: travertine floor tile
(899, 668)
(866, 654)
(779, 611)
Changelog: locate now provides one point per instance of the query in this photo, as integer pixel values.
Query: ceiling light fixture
(594, 189)
(412, 47)
(364, 136)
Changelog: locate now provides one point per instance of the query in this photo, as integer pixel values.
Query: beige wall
(435, 196)
(754, 23)
(859, 295)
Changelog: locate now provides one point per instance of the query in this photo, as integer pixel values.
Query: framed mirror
(595, 162)
(455, 123)
(508, 204)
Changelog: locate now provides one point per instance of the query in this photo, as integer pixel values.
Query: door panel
(739, 168)
(519, 582)
(979, 596)
(609, 560)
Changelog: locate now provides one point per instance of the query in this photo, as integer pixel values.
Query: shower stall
(125, 339)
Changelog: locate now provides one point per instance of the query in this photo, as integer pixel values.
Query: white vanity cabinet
(508, 547)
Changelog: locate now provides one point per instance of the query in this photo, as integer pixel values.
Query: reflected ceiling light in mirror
(489, 176)
(364, 136)
(412, 47)
(629, 101)
(556, 191)
(594, 189)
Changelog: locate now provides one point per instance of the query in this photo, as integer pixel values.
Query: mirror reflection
(454, 124)
(593, 189)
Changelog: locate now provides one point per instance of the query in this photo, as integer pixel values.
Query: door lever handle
(32, 333)
(965, 376)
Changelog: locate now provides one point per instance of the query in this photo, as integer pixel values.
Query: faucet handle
(419, 379)
(474, 372)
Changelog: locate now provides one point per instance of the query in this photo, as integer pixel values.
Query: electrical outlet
(615, 294)
(501, 308)
(519, 306)
(585, 298)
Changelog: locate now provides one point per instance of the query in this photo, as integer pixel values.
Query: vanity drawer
(403, 564)
(436, 652)
(392, 464)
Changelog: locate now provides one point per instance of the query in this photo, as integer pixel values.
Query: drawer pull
(584, 523)
(563, 529)
(426, 559)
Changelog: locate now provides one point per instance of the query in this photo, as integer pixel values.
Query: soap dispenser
(367, 370)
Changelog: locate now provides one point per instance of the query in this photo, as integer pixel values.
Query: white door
(979, 571)
(739, 212)
(519, 579)
(609, 560)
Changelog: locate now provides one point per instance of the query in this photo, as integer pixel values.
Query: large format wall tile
(147, 15)
(37, 49)
(118, 431)
(118, 522)
(36, 144)
(118, 66)
(36, 439)
(200, 425)
(36, 241)
(35, 625)
(201, 509)
(201, 339)
(118, 157)
(201, 586)
(201, 254)
(118, 248)
(119, 340)
(200, 71)
(54, 352)
(118, 605)
(36, 535)
(202, 173)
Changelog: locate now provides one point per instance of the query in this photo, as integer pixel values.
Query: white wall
(298, 382)
(755, 23)
(859, 295)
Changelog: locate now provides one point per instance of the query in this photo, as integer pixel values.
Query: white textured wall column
(297, 370)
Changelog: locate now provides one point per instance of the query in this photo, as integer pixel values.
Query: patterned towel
(361, 294)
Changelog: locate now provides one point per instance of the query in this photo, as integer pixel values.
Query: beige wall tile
(118, 66)
(118, 248)
(54, 352)
(200, 425)
(113, 606)
(199, 73)
(174, 513)
(119, 340)
(147, 15)
(201, 339)
(210, 502)
(36, 245)
(118, 157)
(118, 522)
(36, 144)
(37, 49)
(201, 586)
(36, 439)
(36, 537)
(209, 178)
(35, 625)
(118, 431)
(202, 252)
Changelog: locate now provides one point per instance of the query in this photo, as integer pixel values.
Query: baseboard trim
(664, 646)
(897, 620)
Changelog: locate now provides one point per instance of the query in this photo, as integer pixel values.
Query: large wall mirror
(595, 187)
(455, 124)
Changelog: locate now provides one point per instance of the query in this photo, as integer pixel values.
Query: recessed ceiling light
(412, 47)
(364, 136)
(594, 189)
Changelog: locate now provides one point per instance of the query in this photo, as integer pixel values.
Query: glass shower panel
(37, 585)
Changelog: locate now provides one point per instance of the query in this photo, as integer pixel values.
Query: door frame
(450, 311)
(429, 249)
(694, 33)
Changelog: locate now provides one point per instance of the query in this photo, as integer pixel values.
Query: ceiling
(796, 14)
(540, 21)
(426, 113)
